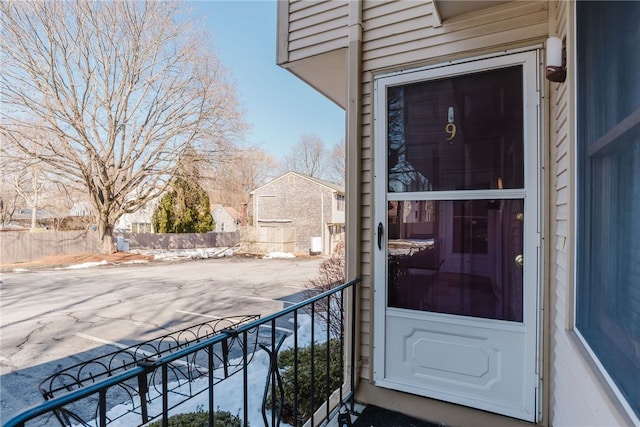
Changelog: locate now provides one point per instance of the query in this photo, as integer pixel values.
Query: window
(608, 150)
(141, 227)
(340, 202)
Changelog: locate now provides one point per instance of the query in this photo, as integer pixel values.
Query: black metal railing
(304, 387)
(181, 373)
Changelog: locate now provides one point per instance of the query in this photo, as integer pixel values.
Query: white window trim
(610, 383)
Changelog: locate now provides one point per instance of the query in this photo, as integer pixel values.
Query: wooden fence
(24, 246)
(269, 239)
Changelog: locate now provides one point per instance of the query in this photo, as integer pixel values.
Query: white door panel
(462, 364)
(456, 206)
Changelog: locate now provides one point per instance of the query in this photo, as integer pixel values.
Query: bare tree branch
(231, 179)
(337, 158)
(308, 157)
(120, 89)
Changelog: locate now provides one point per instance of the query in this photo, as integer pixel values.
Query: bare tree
(27, 176)
(8, 197)
(120, 89)
(29, 183)
(336, 165)
(231, 179)
(330, 274)
(308, 157)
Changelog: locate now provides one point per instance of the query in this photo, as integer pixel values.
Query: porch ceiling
(326, 73)
(451, 8)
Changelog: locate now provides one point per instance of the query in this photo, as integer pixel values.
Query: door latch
(519, 260)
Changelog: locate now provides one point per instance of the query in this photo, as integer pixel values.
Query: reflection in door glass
(456, 257)
(459, 133)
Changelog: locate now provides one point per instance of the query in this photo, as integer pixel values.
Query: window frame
(605, 143)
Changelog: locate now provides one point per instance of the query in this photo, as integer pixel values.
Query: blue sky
(279, 107)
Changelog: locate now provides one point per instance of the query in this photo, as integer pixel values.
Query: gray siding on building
(295, 201)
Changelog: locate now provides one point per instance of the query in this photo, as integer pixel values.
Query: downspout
(353, 173)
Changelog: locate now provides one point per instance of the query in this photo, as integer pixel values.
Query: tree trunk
(105, 237)
(34, 208)
(34, 220)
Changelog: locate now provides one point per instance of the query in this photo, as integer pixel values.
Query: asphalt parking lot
(53, 319)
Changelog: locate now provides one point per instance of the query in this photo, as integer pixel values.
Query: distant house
(139, 221)
(227, 219)
(81, 209)
(43, 218)
(303, 214)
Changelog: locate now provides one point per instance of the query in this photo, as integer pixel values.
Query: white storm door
(457, 233)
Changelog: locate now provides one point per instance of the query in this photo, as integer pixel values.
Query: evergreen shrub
(201, 419)
(305, 391)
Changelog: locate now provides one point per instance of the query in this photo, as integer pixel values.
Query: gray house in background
(226, 218)
(298, 213)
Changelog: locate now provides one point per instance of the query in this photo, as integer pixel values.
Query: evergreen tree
(185, 209)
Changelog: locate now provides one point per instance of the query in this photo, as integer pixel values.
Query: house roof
(335, 187)
(25, 213)
(231, 211)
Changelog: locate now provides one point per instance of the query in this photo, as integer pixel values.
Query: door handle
(380, 231)
(519, 260)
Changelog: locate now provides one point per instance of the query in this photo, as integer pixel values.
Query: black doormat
(374, 416)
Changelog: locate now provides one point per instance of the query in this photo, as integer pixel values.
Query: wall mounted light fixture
(556, 59)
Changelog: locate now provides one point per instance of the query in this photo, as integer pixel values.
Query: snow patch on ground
(85, 261)
(21, 270)
(279, 255)
(84, 265)
(178, 254)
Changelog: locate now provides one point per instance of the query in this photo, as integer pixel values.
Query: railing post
(102, 404)
(275, 380)
(342, 355)
(273, 369)
(245, 379)
(225, 356)
(295, 368)
(353, 346)
(313, 359)
(328, 355)
(142, 391)
(165, 395)
(211, 366)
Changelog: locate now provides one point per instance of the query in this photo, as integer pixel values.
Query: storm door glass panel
(480, 279)
(460, 133)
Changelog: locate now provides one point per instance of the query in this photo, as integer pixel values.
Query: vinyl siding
(316, 27)
(400, 35)
(366, 230)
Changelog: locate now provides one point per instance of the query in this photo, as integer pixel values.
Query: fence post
(143, 388)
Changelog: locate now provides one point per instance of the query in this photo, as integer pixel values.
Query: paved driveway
(54, 319)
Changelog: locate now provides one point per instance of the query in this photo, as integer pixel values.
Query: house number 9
(450, 129)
